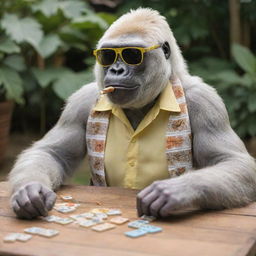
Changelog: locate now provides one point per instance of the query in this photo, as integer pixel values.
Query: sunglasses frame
(118, 52)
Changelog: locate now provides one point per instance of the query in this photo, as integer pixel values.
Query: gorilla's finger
(25, 203)
(20, 212)
(140, 197)
(50, 200)
(147, 200)
(49, 197)
(15, 206)
(156, 206)
(36, 199)
(166, 210)
(145, 191)
(138, 205)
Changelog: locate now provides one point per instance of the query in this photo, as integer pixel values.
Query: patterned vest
(178, 140)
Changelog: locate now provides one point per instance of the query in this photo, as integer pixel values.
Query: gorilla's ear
(166, 49)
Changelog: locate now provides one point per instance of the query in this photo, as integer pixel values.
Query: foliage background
(45, 56)
(46, 52)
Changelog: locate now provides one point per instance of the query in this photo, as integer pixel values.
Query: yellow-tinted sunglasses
(130, 55)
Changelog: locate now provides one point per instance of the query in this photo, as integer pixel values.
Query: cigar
(107, 90)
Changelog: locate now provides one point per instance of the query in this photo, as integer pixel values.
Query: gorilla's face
(136, 85)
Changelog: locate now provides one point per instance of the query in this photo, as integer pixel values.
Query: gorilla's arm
(57, 154)
(44, 166)
(225, 174)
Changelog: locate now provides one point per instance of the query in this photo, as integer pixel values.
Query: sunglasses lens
(132, 56)
(106, 56)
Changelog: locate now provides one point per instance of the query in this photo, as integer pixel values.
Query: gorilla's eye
(132, 56)
(106, 57)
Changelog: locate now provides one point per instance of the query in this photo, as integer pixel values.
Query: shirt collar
(166, 101)
(103, 104)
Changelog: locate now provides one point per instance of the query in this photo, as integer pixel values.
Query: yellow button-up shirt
(136, 158)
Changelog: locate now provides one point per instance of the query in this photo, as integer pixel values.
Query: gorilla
(155, 128)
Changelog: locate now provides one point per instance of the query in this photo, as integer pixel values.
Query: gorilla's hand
(163, 197)
(32, 200)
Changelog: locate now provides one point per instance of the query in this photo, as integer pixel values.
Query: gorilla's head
(141, 70)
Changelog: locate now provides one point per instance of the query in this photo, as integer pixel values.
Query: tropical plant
(36, 40)
(236, 86)
(10, 65)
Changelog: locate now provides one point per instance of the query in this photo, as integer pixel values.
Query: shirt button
(132, 164)
(133, 140)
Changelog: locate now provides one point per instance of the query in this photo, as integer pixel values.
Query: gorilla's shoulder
(202, 94)
(79, 104)
(203, 101)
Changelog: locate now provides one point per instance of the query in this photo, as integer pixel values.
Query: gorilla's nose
(116, 70)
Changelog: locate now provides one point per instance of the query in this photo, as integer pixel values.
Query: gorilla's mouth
(123, 87)
(122, 93)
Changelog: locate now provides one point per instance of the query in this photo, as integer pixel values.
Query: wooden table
(229, 232)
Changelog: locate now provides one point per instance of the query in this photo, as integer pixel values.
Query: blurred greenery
(37, 40)
(46, 53)
(238, 91)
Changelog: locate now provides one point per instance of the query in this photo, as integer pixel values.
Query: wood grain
(228, 232)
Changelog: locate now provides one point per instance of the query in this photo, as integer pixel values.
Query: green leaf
(72, 34)
(79, 46)
(252, 103)
(71, 82)
(12, 83)
(8, 46)
(89, 21)
(22, 30)
(215, 64)
(229, 77)
(246, 80)
(49, 75)
(30, 84)
(47, 7)
(109, 18)
(244, 58)
(73, 9)
(49, 45)
(90, 61)
(16, 62)
(87, 76)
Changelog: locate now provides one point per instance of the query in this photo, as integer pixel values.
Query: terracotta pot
(6, 109)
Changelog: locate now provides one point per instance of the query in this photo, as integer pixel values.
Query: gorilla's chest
(135, 116)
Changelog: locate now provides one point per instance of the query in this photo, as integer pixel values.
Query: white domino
(23, 237)
(11, 238)
(103, 227)
(114, 212)
(41, 231)
(87, 223)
